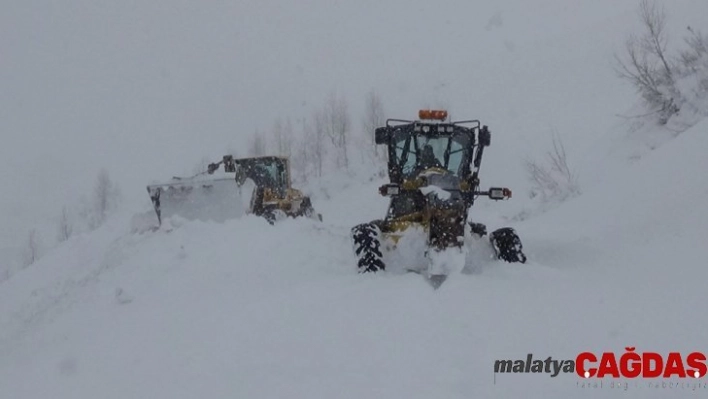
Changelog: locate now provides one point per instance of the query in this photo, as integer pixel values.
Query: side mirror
(499, 193)
(485, 138)
(388, 190)
(382, 135)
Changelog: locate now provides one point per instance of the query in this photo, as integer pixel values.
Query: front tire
(367, 247)
(307, 210)
(272, 215)
(507, 245)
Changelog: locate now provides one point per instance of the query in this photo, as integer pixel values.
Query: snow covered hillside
(148, 89)
(244, 309)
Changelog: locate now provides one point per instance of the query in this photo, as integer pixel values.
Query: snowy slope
(146, 89)
(243, 309)
(247, 310)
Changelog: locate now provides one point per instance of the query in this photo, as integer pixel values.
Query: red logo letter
(647, 370)
(674, 365)
(580, 365)
(697, 362)
(630, 363)
(608, 365)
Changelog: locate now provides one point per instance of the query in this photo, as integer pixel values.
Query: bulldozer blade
(435, 280)
(217, 199)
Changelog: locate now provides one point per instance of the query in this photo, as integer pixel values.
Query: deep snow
(244, 309)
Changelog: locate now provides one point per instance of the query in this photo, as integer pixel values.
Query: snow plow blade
(435, 280)
(207, 199)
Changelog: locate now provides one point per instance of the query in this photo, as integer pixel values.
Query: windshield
(269, 173)
(415, 153)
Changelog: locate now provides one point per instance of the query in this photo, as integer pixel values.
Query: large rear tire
(507, 245)
(307, 210)
(367, 247)
(273, 215)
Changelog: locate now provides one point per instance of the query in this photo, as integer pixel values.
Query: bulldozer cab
(433, 154)
(269, 172)
(418, 152)
(417, 146)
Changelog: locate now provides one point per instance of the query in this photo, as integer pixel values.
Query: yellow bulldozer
(217, 194)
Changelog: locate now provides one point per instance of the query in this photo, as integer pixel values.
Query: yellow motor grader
(433, 168)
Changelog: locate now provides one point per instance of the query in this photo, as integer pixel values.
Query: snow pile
(439, 192)
(449, 262)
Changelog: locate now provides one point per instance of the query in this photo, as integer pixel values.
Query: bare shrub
(257, 145)
(315, 136)
(667, 84)
(552, 178)
(32, 248)
(647, 66)
(283, 137)
(65, 225)
(695, 57)
(337, 124)
(693, 69)
(374, 116)
(105, 196)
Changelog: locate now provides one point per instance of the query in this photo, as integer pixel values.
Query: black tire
(367, 247)
(507, 245)
(478, 228)
(269, 216)
(272, 215)
(256, 204)
(306, 208)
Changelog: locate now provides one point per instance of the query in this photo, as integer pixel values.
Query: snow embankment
(245, 309)
(654, 203)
